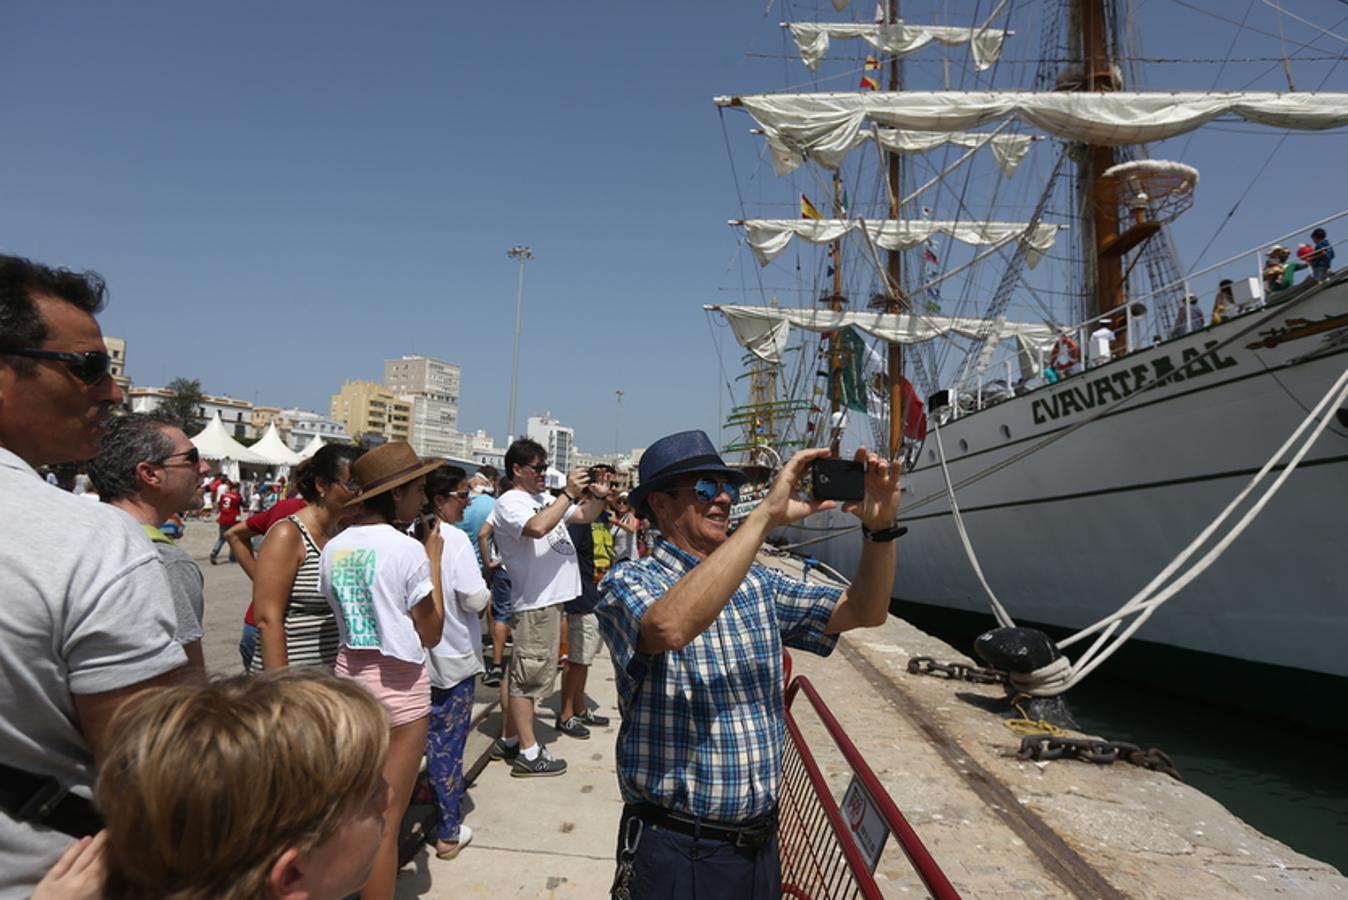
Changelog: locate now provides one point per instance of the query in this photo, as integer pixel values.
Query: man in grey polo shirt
(88, 614)
(149, 469)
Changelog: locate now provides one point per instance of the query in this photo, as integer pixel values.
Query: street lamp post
(522, 255)
(617, 421)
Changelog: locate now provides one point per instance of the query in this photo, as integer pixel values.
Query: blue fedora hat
(675, 455)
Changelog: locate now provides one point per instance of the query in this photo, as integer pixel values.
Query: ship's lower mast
(895, 301)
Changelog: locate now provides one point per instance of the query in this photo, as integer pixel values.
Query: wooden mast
(895, 301)
(1098, 75)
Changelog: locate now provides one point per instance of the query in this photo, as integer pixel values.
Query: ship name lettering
(1111, 388)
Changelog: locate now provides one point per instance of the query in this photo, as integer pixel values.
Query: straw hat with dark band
(387, 467)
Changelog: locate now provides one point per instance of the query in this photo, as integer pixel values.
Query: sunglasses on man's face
(191, 457)
(91, 366)
(708, 489)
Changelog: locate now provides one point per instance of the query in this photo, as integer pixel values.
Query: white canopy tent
(216, 445)
(315, 444)
(274, 450)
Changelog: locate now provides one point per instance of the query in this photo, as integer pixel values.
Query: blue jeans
(446, 735)
(500, 595)
(220, 542)
(669, 865)
(247, 644)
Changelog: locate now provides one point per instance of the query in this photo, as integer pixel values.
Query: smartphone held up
(837, 479)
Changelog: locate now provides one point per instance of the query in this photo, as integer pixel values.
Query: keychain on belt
(622, 880)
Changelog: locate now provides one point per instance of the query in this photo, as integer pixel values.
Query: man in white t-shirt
(89, 616)
(529, 527)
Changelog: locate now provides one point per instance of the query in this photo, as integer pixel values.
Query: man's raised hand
(781, 505)
(879, 506)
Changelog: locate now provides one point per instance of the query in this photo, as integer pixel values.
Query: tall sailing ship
(1048, 370)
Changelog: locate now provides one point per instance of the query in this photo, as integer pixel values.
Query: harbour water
(1266, 743)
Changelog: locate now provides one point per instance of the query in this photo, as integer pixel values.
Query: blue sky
(281, 196)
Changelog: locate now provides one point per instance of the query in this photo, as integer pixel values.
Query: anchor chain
(1042, 747)
(926, 665)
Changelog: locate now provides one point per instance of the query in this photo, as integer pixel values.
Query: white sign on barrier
(864, 822)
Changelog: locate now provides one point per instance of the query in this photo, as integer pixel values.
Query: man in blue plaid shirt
(696, 632)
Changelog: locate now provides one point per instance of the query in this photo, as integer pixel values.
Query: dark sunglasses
(192, 457)
(708, 489)
(91, 366)
(462, 495)
(538, 468)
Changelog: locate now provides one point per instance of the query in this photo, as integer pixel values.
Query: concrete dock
(998, 826)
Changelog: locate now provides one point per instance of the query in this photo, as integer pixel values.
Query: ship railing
(1136, 307)
(1134, 314)
(820, 845)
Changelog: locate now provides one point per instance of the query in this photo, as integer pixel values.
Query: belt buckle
(43, 801)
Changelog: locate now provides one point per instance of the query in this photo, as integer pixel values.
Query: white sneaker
(449, 850)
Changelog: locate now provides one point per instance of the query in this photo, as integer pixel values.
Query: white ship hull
(1068, 533)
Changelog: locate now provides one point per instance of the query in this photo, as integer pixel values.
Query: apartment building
(371, 411)
(431, 388)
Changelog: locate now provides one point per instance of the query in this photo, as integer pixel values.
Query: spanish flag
(868, 82)
(807, 210)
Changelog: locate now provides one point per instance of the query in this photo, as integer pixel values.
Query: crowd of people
(126, 772)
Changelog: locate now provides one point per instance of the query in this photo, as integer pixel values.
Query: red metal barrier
(820, 859)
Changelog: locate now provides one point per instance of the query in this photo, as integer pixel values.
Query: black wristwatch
(884, 535)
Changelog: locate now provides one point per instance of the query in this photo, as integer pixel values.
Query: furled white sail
(757, 328)
(1008, 149)
(820, 125)
(769, 237)
(900, 39)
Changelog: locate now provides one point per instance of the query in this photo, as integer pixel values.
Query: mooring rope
(1061, 675)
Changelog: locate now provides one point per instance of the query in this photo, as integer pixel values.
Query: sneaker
(572, 727)
(214, 561)
(447, 850)
(501, 750)
(543, 764)
(492, 677)
(590, 717)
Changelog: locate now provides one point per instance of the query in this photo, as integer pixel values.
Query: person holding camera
(696, 631)
(529, 526)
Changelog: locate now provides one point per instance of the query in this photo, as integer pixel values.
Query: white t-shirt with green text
(372, 576)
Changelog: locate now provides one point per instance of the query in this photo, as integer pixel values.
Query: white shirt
(459, 653)
(543, 572)
(372, 576)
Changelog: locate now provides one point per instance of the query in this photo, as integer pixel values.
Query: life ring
(1056, 354)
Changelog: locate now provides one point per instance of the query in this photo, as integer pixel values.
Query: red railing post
(798, 820)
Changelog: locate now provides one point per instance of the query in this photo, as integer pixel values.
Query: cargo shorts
(533, 662)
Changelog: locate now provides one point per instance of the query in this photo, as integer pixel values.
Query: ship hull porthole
(964, 446)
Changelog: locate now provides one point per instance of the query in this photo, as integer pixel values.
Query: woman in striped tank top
(296, 624)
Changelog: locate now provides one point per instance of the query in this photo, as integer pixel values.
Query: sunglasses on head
(91, 366)
(708, 489)
(192, 457)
